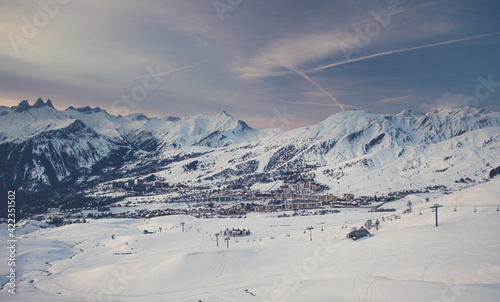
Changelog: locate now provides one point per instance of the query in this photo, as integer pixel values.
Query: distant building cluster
(288, 206)
(141, 184)
(235, 232)
(292, 191)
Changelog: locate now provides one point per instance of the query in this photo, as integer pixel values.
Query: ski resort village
(296, 192)
(360, 207)
(250, 151)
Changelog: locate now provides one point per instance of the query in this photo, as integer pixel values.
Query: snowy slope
(136, 129)
(51, 156)
(364, 153)
(356, 151)
(351, 134)
(42, 148)
(407, 259)
(214, 132)
(169, 133)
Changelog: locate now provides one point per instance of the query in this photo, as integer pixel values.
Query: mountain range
(49, 155)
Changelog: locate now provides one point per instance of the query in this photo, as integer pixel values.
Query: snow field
(407, 259)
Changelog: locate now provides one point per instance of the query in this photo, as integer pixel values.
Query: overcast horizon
(257, 60)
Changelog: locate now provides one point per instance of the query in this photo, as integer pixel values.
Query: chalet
(355, 235)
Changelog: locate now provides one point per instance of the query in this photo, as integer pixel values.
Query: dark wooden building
(355, 235)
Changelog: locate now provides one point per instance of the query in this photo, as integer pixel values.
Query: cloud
(446, 101)
(300, 49)
(252, 62)
(293, 51)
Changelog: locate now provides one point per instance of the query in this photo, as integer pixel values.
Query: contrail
(400, 50)
(302, 74)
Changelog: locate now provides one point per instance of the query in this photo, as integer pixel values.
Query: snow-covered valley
(144, 207)
(53, 157)
(406, 259)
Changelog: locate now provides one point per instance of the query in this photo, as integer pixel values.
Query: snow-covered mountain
(353, 151)
(43, 148)
(171, 132)
(363, 153)
(153, 134)
(352, 134)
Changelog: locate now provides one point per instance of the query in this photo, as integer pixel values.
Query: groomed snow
(408, 259)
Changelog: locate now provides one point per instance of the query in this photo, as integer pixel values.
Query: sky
(272, 63)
